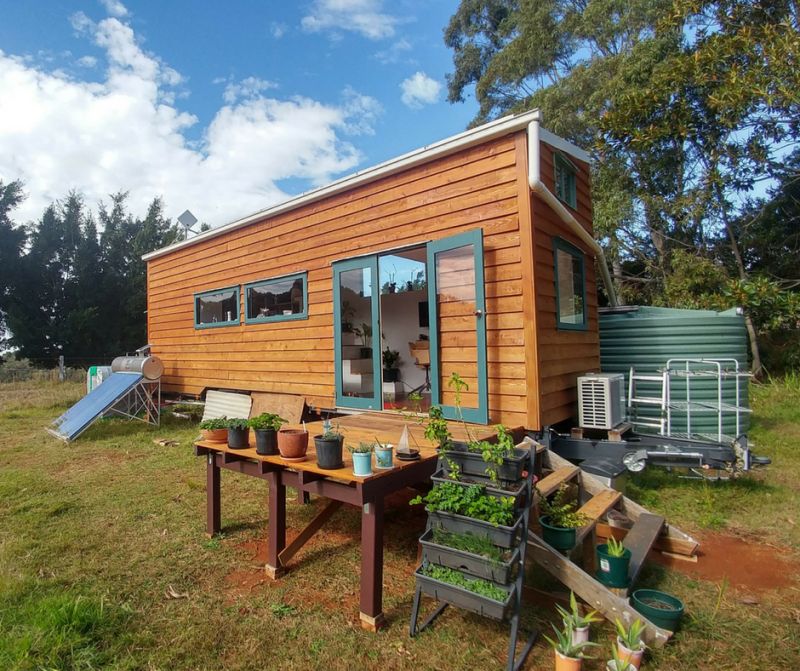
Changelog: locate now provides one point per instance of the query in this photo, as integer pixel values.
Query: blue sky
(222, 108)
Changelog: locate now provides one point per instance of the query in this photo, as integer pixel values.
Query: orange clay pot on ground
(633, 657)
(567, 663)
(292, 443)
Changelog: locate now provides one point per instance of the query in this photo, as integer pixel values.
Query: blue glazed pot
(362, 463)
(383, 457)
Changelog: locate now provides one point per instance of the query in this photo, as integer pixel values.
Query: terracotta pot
(215, 435)
(292, 443)
(567, 663)
(634, 657)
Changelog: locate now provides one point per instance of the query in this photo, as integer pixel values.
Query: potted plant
(437, 430)
(613, 559)
(328, 446)
(474, 594)
(579, 623)
(215, 430)
(365, 333)
(383, 455)
(266, 427)
(293, 444)
(348, 312)
(362, 459)
(619, 663)
(238, 433)
(569, 656)
(475, 554)
(662, 609)
(630, 647)
(560, 520)
(391, 359)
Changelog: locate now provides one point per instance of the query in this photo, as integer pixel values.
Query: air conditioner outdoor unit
(601, 400)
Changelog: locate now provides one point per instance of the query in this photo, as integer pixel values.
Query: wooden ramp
(646, 533)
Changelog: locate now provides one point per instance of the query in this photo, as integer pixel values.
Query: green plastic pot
(666, 617)
(612, 571)
(558, 537)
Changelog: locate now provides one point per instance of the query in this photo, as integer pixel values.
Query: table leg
(277, 524)
(213, 516)
(371, 604)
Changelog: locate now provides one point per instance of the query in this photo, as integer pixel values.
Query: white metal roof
(425, 154)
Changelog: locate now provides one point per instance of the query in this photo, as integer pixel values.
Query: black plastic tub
(518, 493)
(472, 463)
(467, 562)
(266, 441)
(463, 598)
(504, 537)
(239, 439)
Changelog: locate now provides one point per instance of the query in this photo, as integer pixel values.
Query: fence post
(62, 374)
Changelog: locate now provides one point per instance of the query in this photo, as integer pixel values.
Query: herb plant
(237, 423)
(631, 637)
(494, 453)
(436, 429)
(562, 511)
(391, 358)
(214, 424)
(573, 617)
(266, 421)
(471, 501)
(476, 585)
(615, 548)
(362, 448)
(332, 433)
(472, 543)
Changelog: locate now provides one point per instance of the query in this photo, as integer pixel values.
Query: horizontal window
(570, 286)
(219, 307)
(276, 299)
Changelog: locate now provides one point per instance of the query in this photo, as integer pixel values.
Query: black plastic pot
(391, 374)
(517, 493)
(239, 439)
(266, 441)
(329, 452)
(472, 463)
(504, 537)
(463, 598)
(467, 562)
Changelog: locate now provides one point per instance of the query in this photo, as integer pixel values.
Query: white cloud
(124, 133)
(247, 89)
(360, 16)
(115, 8)
(86, 61)
(419, 90)
(277, 29)
(395, 53)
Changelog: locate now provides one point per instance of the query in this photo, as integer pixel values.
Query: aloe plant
(573, 617)
(564, 644)
(631, 637)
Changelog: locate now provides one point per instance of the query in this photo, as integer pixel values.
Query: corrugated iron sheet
(226, 404)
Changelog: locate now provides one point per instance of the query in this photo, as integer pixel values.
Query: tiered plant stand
(515, 478)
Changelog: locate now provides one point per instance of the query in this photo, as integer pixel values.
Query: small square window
(219, 307)
(565, 181)
(570, 286)
(277, 299)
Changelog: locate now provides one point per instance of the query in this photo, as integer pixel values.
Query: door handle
(479, 313)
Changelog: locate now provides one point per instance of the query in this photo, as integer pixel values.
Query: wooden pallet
(647, 533)
(616, 434)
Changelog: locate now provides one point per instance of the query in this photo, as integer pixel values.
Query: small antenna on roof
(187, 220)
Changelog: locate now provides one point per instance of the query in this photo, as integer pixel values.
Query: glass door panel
(356, 350)
(458, 334)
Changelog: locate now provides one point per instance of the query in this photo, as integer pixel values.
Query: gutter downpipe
(537, 186)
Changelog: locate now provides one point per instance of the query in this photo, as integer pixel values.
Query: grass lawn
(104, 563)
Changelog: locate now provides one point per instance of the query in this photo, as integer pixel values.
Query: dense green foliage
(266, 420)
(470, 501)
(67, 288)
(466, 542)
(476, 585)
(562, 510)
(687, 107)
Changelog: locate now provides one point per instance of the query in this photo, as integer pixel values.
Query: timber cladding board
(563, 355)
(473, 188)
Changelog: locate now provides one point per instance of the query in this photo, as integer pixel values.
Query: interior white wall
(400, 325)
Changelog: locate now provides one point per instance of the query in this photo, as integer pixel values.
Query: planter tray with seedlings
(515, 491)
(472, 594)
(468, 553)
(471, 463)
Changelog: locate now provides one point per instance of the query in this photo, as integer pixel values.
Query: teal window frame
(562, 245)
(276, 318)
(211, 292)
(567, 182)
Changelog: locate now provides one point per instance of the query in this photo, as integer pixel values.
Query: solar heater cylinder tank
(150, 367)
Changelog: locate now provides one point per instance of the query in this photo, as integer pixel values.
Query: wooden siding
(477, 187)
(562, 355)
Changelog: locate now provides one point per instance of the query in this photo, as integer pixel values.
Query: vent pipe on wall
(538, 187)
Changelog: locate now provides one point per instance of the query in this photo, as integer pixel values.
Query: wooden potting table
(339, 486)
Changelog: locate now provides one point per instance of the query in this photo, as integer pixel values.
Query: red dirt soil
(746, 563)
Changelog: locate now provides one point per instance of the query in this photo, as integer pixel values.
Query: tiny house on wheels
(473, 255)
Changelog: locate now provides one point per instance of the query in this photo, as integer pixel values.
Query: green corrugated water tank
(645, 338)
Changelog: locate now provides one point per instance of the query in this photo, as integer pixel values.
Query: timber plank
(550, 483)
(640, 540)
